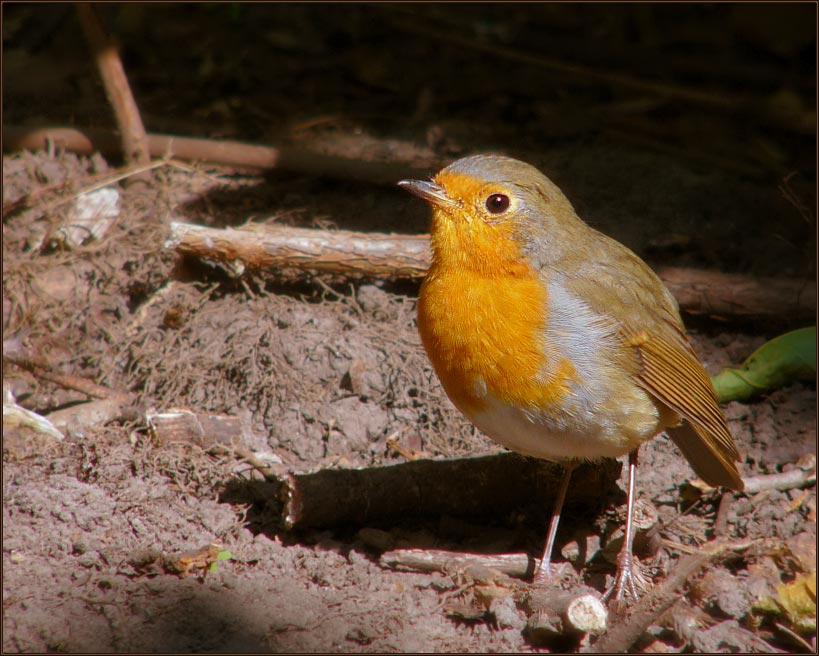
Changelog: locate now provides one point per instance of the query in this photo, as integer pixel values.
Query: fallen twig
(788, 480)
(230, 153)
(129, 121)
(519, 565)
(260, 247)
(226, 433)
(796, 638)
(271, 470)
(555, 615)
(216, 433)
(108, 405)
(738, 295)
(44, 370)
(723, 513)
(205, 430)
(35, 197)
(696, 629)
(485, 485)
(625, 633)
(75, 419)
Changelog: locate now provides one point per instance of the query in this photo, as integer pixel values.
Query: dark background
(696, 180)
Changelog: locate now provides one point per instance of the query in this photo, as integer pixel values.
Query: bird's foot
(543, 576)
(549, 576)
(629, 579)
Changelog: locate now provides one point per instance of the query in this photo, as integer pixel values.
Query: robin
(555, 340)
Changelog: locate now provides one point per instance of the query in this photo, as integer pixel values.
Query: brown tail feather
(713, 468)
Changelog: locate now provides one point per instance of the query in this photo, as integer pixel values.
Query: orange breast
(483, 334)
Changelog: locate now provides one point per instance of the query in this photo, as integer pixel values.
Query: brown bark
(557, 614)
(519, 565)
(483, 486)
(129, 121)
(229, 153)
(737, 295)
(46, 371)
(183, 425)
(261, 247)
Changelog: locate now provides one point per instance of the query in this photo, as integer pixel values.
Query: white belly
(558, 439)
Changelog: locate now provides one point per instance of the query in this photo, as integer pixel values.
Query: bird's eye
(497, 203)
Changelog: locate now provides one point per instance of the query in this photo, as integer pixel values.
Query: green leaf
(783, 360)
(224, 554)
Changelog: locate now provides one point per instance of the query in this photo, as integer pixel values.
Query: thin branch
(261, 247)
(98, 182)
(519, 565)
(45, 370)
(229, 153)
(795, 478)
(623, 635)
(129, 121)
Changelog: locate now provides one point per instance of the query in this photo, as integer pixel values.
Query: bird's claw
(629, 579)
(550, 575)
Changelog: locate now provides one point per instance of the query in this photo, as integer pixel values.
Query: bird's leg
(626, 567)
(544, 574)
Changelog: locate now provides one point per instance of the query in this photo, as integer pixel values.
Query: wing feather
(621, 286)
(674, 375)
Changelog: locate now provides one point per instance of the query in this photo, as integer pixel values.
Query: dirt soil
(106, 532)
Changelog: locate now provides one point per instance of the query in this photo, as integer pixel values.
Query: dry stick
(356, 254)
(795, 478)
(230, 153)
(129, 121)
(44, 370)
(271, 472)
(734, 294)
(488, 485)
(215, 433)
(126, 172)
(556, 615)
(809, 649)
(261, 247)
(723, 513)
(624, 634)
(697, 152)
(93, 414)
(519, 565)
(110, 405)
(202, 429)
(223, 433)
(577, 71)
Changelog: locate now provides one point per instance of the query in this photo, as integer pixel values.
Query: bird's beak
(429, 191)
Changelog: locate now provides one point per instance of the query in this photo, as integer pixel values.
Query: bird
(557, 341)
